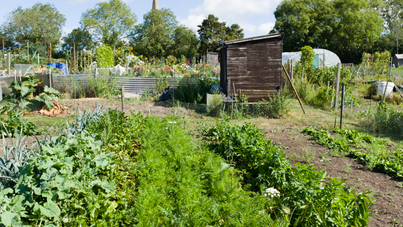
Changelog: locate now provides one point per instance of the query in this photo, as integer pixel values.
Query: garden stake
(335, 121)
(342, 105)
(295, 91)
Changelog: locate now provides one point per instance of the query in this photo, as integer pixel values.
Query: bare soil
(388, 207)
(160, 109)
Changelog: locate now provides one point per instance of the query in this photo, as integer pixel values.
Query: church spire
(155, 4)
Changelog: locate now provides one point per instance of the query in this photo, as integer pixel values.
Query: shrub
(104, 56)
(194, 89)
(214, 106)
(383, 119)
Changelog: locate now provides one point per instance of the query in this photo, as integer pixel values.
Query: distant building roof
(399, 56)
(269, 36)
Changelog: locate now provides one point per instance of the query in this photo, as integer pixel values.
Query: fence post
(336, 100)
(28, 51)
(123, 99)
(291, 71)
(50, 77)
(342, 105)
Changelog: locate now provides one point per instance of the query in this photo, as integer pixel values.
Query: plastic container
(63, 68)
(52, 64)
(380, 88)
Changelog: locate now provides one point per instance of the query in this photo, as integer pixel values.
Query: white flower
(65, 220)
(271, 192)
(172, 122)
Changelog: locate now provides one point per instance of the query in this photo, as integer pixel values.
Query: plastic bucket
(380, 88)
(63, 68)
(52, 64)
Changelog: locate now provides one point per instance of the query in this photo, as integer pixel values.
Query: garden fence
(135, 85)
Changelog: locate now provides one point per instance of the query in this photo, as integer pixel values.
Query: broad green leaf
(50, 209)
(107, 186)
(9, 218)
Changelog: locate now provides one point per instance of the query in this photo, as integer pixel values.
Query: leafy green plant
(309, 155)
(215, 105)
(101, 85)
(263, 165)
(14, 124)
(377, 157)
(15, 158)
(193, 89)
(104, 56)
(347, 169)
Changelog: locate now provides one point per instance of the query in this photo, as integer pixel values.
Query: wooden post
(74, 54)
(336, 100)
(342, 105)
(291, 71)
(28, 51)
(50, 52)
(123, 99)
(44, 56)
(50, 77)
(3, 56)
(295, 91)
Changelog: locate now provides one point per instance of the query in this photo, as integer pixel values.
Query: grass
(44, 123)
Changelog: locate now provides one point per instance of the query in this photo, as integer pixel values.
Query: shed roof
(269, 36)
(399, 56)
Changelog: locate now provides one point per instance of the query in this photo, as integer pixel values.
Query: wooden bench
(256, 95)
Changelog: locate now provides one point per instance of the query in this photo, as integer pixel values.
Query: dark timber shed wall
(252, 64)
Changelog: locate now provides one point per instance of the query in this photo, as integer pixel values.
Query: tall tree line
(346, 27)
(114, 24)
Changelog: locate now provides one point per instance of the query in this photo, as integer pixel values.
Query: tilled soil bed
(388, 207)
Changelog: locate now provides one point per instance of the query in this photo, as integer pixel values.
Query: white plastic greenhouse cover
(321, 55)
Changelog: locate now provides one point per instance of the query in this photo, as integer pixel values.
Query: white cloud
(240, 12)
(67, 30)
(265, 28)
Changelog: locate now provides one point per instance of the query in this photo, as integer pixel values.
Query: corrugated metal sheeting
(136, 85)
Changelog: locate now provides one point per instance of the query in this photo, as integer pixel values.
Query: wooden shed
(398, 60)
(252, 66)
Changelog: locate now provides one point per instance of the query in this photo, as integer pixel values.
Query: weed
(400, 184)
(309, 155)
(324, 159)
(347, 169)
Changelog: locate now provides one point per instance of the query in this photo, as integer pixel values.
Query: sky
(254, 16)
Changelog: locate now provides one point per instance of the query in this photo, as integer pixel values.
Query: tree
(41, 22)
(109, 22)
(347, 27)
(185, 42)
(212, 32)
(155, 36)
(82, 39)
(392, 13)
